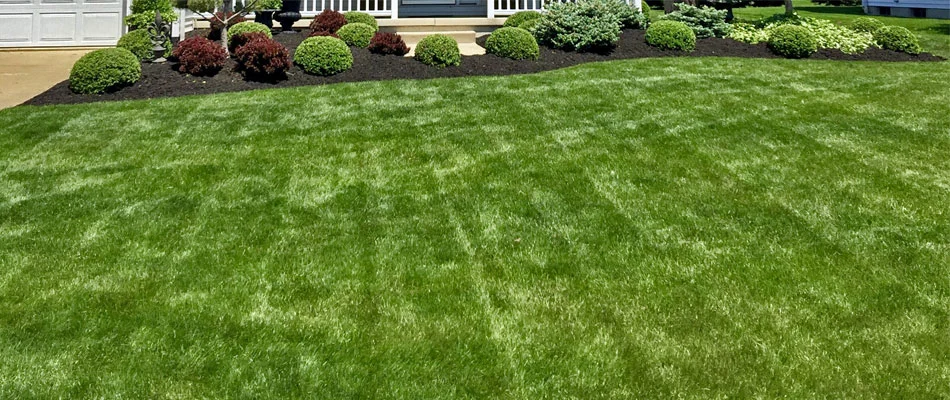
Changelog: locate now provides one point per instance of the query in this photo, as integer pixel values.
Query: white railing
(376, 8)
(504, 8)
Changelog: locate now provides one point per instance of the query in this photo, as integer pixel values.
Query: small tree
(789, 8)
(207, 9)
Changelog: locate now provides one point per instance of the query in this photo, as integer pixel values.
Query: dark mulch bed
(161, 80)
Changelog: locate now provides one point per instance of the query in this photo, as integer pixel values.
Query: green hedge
(356, 34)
(353, 17)
(513, 43)
(241, 28)
(520, 17)
(897, 38)
(792, 41)
(866, 24)
(140, 43)
(671, 35)
(104, 70)
(323, 55)
(438, 51)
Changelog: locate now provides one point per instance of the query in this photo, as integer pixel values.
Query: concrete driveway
(24, 74)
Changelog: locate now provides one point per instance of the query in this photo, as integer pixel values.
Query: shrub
(324, 33)
(628, 15)
(513, 43)
(240, 40)
(747, 33)
(248, 27)
(827, 35)
(520, 17)
(866, 24)
(704, 21)
(438, 51)
(104, 70)
(792, 41)
(585, 25)
(356, 34)
(388, 43)
(143, 12)
(530, 25)
(323, 55)
(671, 35)
(328, 20)
(268, 5)
(200, 56)
(262, 59)
(140, 43)
(897, 38)
(353, 17)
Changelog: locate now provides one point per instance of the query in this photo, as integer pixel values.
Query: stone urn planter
(288, 14)
(265, 17)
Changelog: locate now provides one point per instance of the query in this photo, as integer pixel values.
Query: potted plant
(289, 13)
(264, 13)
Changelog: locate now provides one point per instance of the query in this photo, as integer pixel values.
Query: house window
(884, 10)
(919, 12)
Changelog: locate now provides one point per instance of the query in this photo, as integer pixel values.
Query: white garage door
(34, 23)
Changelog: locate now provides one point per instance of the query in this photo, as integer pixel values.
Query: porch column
(395, 6)
(491, 8)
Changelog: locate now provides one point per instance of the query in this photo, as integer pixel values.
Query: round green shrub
(140, 43)
(356, 34)
(438, 51)
(671, 35)
(792, 41)
(241, 28)
(353, 17)
(520, 17)
(104, 70)
(866, 24)
(513, 43)
(897, 38)
(323, 55)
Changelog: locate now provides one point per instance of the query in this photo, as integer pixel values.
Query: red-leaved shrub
(216, 24)
(324, 33)
(240, 40)
(388, 43)
(263, 59)
(200, 56)
(328, 20)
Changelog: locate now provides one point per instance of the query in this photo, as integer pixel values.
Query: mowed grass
(657, 228)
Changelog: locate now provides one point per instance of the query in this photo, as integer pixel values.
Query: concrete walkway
(25, 74)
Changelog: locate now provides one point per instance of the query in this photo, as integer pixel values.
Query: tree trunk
(668, 6)
(789, 9)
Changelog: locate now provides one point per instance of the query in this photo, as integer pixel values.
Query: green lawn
(934, 34)
(657, 228)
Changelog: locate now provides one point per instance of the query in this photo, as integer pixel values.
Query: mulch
(161, 80)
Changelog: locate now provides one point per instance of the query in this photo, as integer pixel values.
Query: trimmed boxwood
(140, 43)
(438, 51)
(248, 27)
(104, 70)
(897, 38)
(353, 17)
(671, 35)
(520, 17)
(323, 55)
(792, 41)
(356, 34)
(866, 24)
(513, 43)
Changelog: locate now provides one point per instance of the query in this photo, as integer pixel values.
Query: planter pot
(265, 17)
(288, 14)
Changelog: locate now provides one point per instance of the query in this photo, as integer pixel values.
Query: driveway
(24, 74)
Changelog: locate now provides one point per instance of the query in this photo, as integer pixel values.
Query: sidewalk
(24, 74)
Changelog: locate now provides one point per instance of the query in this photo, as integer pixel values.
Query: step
(466, 49)
(412, 38)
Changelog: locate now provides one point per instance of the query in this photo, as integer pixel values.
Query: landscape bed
(161, 80)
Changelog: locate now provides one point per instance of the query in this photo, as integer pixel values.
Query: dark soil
(161, 80)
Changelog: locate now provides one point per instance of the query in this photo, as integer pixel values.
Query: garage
(51, 23)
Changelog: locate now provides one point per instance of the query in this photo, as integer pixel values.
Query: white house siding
(49, 23)
(905, 8)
